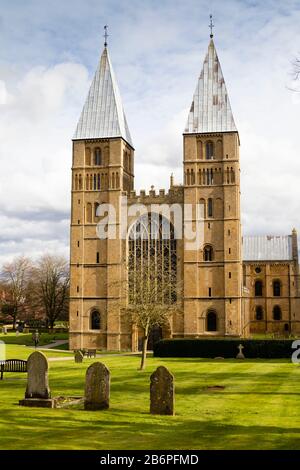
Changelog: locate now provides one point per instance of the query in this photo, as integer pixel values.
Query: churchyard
(219, 404)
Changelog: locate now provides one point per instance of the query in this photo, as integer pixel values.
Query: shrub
(227, 348)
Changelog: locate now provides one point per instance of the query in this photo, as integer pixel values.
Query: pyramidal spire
(103, 114)
(210, 110)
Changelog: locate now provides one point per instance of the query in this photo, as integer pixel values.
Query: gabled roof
(267, 248)
(210, 110)
(103, 114)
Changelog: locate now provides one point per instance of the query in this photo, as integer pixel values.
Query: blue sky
(49, 52)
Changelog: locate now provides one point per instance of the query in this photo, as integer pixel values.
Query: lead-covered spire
(103, 114)
(210, 110)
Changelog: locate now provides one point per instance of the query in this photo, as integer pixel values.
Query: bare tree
(15, 277)
(51, 280)
(152, 295)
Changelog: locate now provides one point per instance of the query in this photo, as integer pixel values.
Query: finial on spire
(211, 25)
(105, 35)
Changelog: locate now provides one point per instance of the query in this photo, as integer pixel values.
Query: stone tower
(103, 168)
(213, 272)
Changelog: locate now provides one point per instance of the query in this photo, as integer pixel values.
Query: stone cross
(240, 354)
(162, 392)
(78, 356)
(97, 387)
(37, 376)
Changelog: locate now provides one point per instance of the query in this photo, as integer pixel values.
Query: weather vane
(211, 25)
(105, 35)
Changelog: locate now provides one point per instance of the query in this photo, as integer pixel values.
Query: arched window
(95, 209)
(258, 289)
(209, 150)
(95, 320)
(276, 288)
(211, 321)
(208, 253)
(210, 207)
(199, 150)
(259, 314)
(192, 177)
(152, 261)
(276, 313)
(88, 156)
(76, 182)
(98, 156)
(80, 182)
(232, 175)
(95, 182)
(98, 181)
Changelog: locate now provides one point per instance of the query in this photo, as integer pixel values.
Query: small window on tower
(98, 157)
(210, 207)
(98, 258)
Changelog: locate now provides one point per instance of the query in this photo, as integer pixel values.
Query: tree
(15, 277)
(152, 290)
(51, 280)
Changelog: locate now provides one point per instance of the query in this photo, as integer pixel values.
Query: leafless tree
(51, 281)
(15, 277)
(152, 297)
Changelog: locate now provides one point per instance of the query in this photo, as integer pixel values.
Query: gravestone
(78, 356)
(97, 387)
(240, 354)
(4, 330)
(37, 391)
(162, 392)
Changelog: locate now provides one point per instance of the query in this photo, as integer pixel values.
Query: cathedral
(231, 285)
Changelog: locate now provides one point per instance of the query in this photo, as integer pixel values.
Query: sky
(48, 55)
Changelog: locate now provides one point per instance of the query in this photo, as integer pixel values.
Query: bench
(87, 352)
(12, 365)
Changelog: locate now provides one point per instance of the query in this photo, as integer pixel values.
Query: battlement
(174, 194)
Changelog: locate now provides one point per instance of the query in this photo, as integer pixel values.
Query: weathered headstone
(162, 392)
(4, 330)
(240, 354)
(97, 387)
(37, 391)
(78, 356)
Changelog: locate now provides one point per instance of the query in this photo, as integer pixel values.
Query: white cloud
(46, 64)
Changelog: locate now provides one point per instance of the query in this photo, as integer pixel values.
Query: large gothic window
(152, 260)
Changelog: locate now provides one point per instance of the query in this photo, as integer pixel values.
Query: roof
(267, 248)
(103, 114)
(210, 110)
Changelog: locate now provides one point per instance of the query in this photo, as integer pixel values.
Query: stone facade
(218, 297)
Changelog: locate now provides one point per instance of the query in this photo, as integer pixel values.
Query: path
(98, 356)
(54, 344)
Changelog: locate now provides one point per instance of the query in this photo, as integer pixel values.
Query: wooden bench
(13, 365)
(91, 353)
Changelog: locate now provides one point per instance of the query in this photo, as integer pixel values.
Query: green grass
(258, 409)
(26, 338)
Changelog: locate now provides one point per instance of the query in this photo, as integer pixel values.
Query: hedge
(227, 348)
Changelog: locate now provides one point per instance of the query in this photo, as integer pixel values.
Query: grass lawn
(258, 409)
(26, 338)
